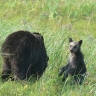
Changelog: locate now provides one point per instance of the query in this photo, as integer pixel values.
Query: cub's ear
(70, 40)
(80, 42)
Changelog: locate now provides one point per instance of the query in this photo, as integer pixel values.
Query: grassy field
(56, 20)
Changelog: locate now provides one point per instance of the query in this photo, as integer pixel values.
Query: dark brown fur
(76, 66)
(24, 54)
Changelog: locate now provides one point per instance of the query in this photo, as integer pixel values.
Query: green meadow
(56, 20)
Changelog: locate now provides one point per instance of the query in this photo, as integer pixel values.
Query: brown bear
(24, 54)
(76, 66)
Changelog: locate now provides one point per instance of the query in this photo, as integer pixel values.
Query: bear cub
(76, 66)
(24, 54)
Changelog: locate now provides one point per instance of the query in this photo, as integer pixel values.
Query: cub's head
(74, 46)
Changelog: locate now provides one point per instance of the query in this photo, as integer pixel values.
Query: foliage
(56, 20)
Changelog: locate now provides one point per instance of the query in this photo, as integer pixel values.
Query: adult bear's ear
(70, 40)
(80, 42)
(42, 38)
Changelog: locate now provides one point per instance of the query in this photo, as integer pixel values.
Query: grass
(56, 20)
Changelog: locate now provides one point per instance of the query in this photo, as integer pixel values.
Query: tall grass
(56, 20)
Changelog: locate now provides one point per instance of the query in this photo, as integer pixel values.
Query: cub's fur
(76, 66)
(24, 54)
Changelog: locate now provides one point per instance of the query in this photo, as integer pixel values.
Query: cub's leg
(70, 70)
(79, 79)
(63, 69)
(6, 69)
